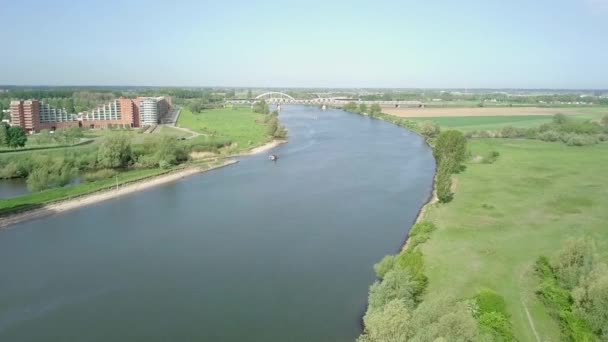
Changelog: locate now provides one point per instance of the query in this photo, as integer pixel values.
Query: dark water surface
(258, 251)
(12, 187)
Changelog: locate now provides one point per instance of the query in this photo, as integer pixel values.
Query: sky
(359, 44)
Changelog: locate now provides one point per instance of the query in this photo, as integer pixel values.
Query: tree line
(49, 169)
(572, 132)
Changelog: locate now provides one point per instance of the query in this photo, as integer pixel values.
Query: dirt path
(522, 299)
(187, 130)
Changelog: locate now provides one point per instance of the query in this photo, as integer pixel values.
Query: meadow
(239, 125)
(506, 214)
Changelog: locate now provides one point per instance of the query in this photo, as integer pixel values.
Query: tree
(162, 151)
(261, 107)
(396, 284)
(450, 150)
(249, 95)
(574, 261)
(560, 119)
(69, 135)
(443, 184)
(50, 173)
(115, 151)
(591, 300)
(350, 107)
(16, 137)
(429, 129)
(3, 134)
(604, 121)
(375, 109)
(391, 323)
(443, 319)
(384, 266)
(362, 108)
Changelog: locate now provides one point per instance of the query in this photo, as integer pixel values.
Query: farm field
(431, 112)
(497, 121)
(469, 123)
(506, 214)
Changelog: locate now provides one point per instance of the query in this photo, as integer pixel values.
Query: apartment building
(34, 115)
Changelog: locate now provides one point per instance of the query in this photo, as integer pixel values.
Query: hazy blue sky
(430, 43)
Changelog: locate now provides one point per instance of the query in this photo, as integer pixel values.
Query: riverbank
(62, 205)
(264, 148)
(104, 195)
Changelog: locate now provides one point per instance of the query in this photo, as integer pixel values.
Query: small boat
(273, 157)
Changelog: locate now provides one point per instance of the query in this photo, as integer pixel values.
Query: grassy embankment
(219, 126)
(238, 125)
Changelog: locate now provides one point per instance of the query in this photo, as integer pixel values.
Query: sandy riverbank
(264, 148)
(103, 195)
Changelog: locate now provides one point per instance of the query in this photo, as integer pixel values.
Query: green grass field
(492, 123)
(506, 214)
(239, 125)
(488, 123)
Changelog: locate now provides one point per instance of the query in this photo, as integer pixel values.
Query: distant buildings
(34, 115)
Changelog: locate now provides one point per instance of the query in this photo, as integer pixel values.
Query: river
(258, 251)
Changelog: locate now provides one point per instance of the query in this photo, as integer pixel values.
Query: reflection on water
(258, 251)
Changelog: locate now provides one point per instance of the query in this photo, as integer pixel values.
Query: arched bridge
(277, 98)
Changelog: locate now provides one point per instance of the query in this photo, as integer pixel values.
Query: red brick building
(34, 115)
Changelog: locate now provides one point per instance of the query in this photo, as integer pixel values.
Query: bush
(496, 325)
(490, 157)
(386, 264)
(558, 301)
(420, 233)
(115, 151)
(412, 261)
(161, 151)
(99, 174)
(439, 319)
(397, 284)
(581, 140)
(511, 132)
(604, 121)
(549, 136)
(429, 129)
(591, 300)
(50, 173)
(580, 127)
(574, 261)
(443, 319)
(560, 119)
(492, 315)
(389, 323)
(532, 133)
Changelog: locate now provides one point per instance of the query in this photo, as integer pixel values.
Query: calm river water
(258, 251)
